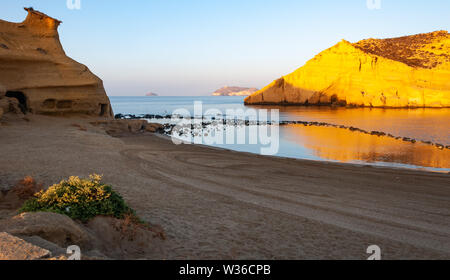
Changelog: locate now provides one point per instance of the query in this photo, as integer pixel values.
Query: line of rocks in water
(142, 116)
(237, 122)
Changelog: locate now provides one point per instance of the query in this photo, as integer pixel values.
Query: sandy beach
(219, 204)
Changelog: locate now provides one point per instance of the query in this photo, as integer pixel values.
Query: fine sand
(218, 204)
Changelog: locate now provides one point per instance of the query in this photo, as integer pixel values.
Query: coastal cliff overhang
(410, 71)
(40, 20)
(33, 63)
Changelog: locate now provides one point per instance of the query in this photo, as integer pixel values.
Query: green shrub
(80, 199)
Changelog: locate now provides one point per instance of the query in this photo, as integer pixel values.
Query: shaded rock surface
(54, 249)
(410, 71)
(35, 71)
(58, 229)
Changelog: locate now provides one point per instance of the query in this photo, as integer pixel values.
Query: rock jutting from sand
(121, 126)
(36, 73)
(14, 248)
(411, 71)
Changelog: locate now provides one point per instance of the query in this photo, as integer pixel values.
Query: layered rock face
(36, 73)
(411, 71)
(234, 91)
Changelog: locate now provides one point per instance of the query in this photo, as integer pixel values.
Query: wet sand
(219, 204)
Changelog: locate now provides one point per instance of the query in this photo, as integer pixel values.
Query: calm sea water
(327, 143)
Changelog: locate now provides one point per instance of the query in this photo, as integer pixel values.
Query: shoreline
(167, 125)
(336, 106)
(220, 204)
(353, 164)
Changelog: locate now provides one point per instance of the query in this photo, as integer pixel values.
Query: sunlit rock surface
(35, 71)
(14, 248)
(411, 71)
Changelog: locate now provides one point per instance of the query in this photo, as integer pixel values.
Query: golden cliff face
(35, 70)
(411, 71)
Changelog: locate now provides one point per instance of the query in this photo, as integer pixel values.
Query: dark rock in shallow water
(167, 128)
(377, 133)
(440, 146)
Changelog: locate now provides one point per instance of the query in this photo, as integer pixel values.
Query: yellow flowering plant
(80, 199)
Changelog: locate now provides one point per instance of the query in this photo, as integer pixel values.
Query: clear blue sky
(192, 47)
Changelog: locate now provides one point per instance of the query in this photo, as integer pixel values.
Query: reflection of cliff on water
(422, 124)
(347, 146)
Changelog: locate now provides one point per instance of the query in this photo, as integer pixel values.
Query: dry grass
(128, 227)
(409, 49)
(130, 224)
(26, 188)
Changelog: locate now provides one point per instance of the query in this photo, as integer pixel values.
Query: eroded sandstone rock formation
(411, 71)
(36, 75)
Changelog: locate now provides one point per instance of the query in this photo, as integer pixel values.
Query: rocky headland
(410, 71)
(234, 91)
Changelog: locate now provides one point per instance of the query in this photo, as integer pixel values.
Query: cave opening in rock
(103, 109)
(334, 99)
(21, 98)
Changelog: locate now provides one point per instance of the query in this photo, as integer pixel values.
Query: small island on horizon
(234, 91)
(151, 94)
